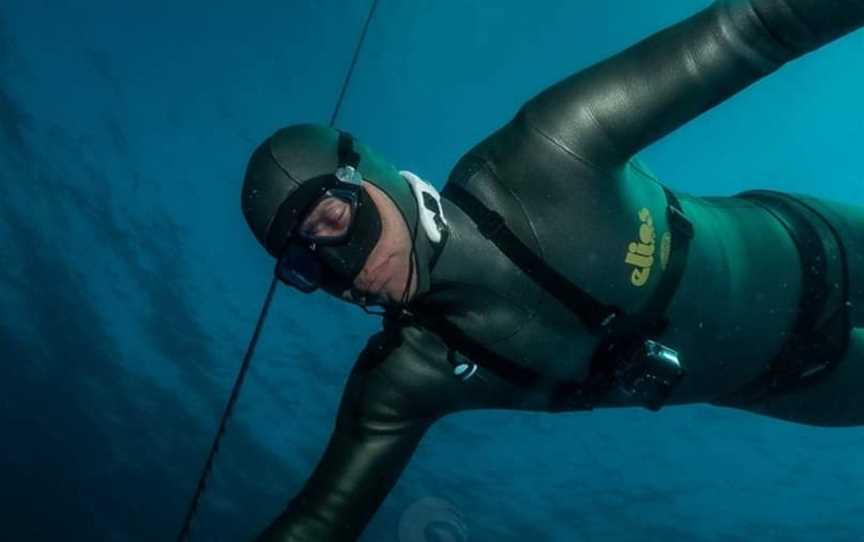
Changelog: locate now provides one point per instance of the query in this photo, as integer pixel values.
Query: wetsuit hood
(301, 152)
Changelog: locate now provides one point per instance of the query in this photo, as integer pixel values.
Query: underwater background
(130, 284)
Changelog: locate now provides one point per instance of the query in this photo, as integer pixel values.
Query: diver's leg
(849, 222)
(836, 400)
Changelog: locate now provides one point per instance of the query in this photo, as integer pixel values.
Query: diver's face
(384, 276)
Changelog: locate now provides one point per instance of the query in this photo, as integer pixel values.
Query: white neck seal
(431, 211)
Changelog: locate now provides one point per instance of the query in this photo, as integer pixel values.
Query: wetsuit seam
(477, 287)
(604, 132)
(485, 164)
(634, 163)
(521, 207)
(533, 311)
(531, 315)
(559, 144)
(519, 328)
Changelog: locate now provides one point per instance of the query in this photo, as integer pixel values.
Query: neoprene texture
(563, 173)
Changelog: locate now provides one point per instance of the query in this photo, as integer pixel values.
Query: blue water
(130, 284)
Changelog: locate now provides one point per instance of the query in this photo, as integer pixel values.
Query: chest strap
(619, 332)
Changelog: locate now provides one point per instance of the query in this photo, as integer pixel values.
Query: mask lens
(330, 219)
(299, 267)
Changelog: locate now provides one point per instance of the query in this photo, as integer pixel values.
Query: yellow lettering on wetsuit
(641, 253)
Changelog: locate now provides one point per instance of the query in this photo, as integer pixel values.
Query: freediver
(556, 273)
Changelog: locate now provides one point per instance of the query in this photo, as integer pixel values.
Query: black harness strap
(618, 330)
(492, 226)
(812, 348)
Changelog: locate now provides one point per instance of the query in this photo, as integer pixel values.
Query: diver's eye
(329, 219)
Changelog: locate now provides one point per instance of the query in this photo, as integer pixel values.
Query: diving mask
(331, 256)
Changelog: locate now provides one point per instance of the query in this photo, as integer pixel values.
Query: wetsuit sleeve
(400, 385)
(606, 113)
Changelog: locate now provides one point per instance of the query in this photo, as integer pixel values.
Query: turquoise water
(130, 284)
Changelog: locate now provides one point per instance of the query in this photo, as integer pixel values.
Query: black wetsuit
(564, 176)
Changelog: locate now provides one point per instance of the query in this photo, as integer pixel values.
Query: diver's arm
(401, 384)
(606, 113)
(376, 432)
